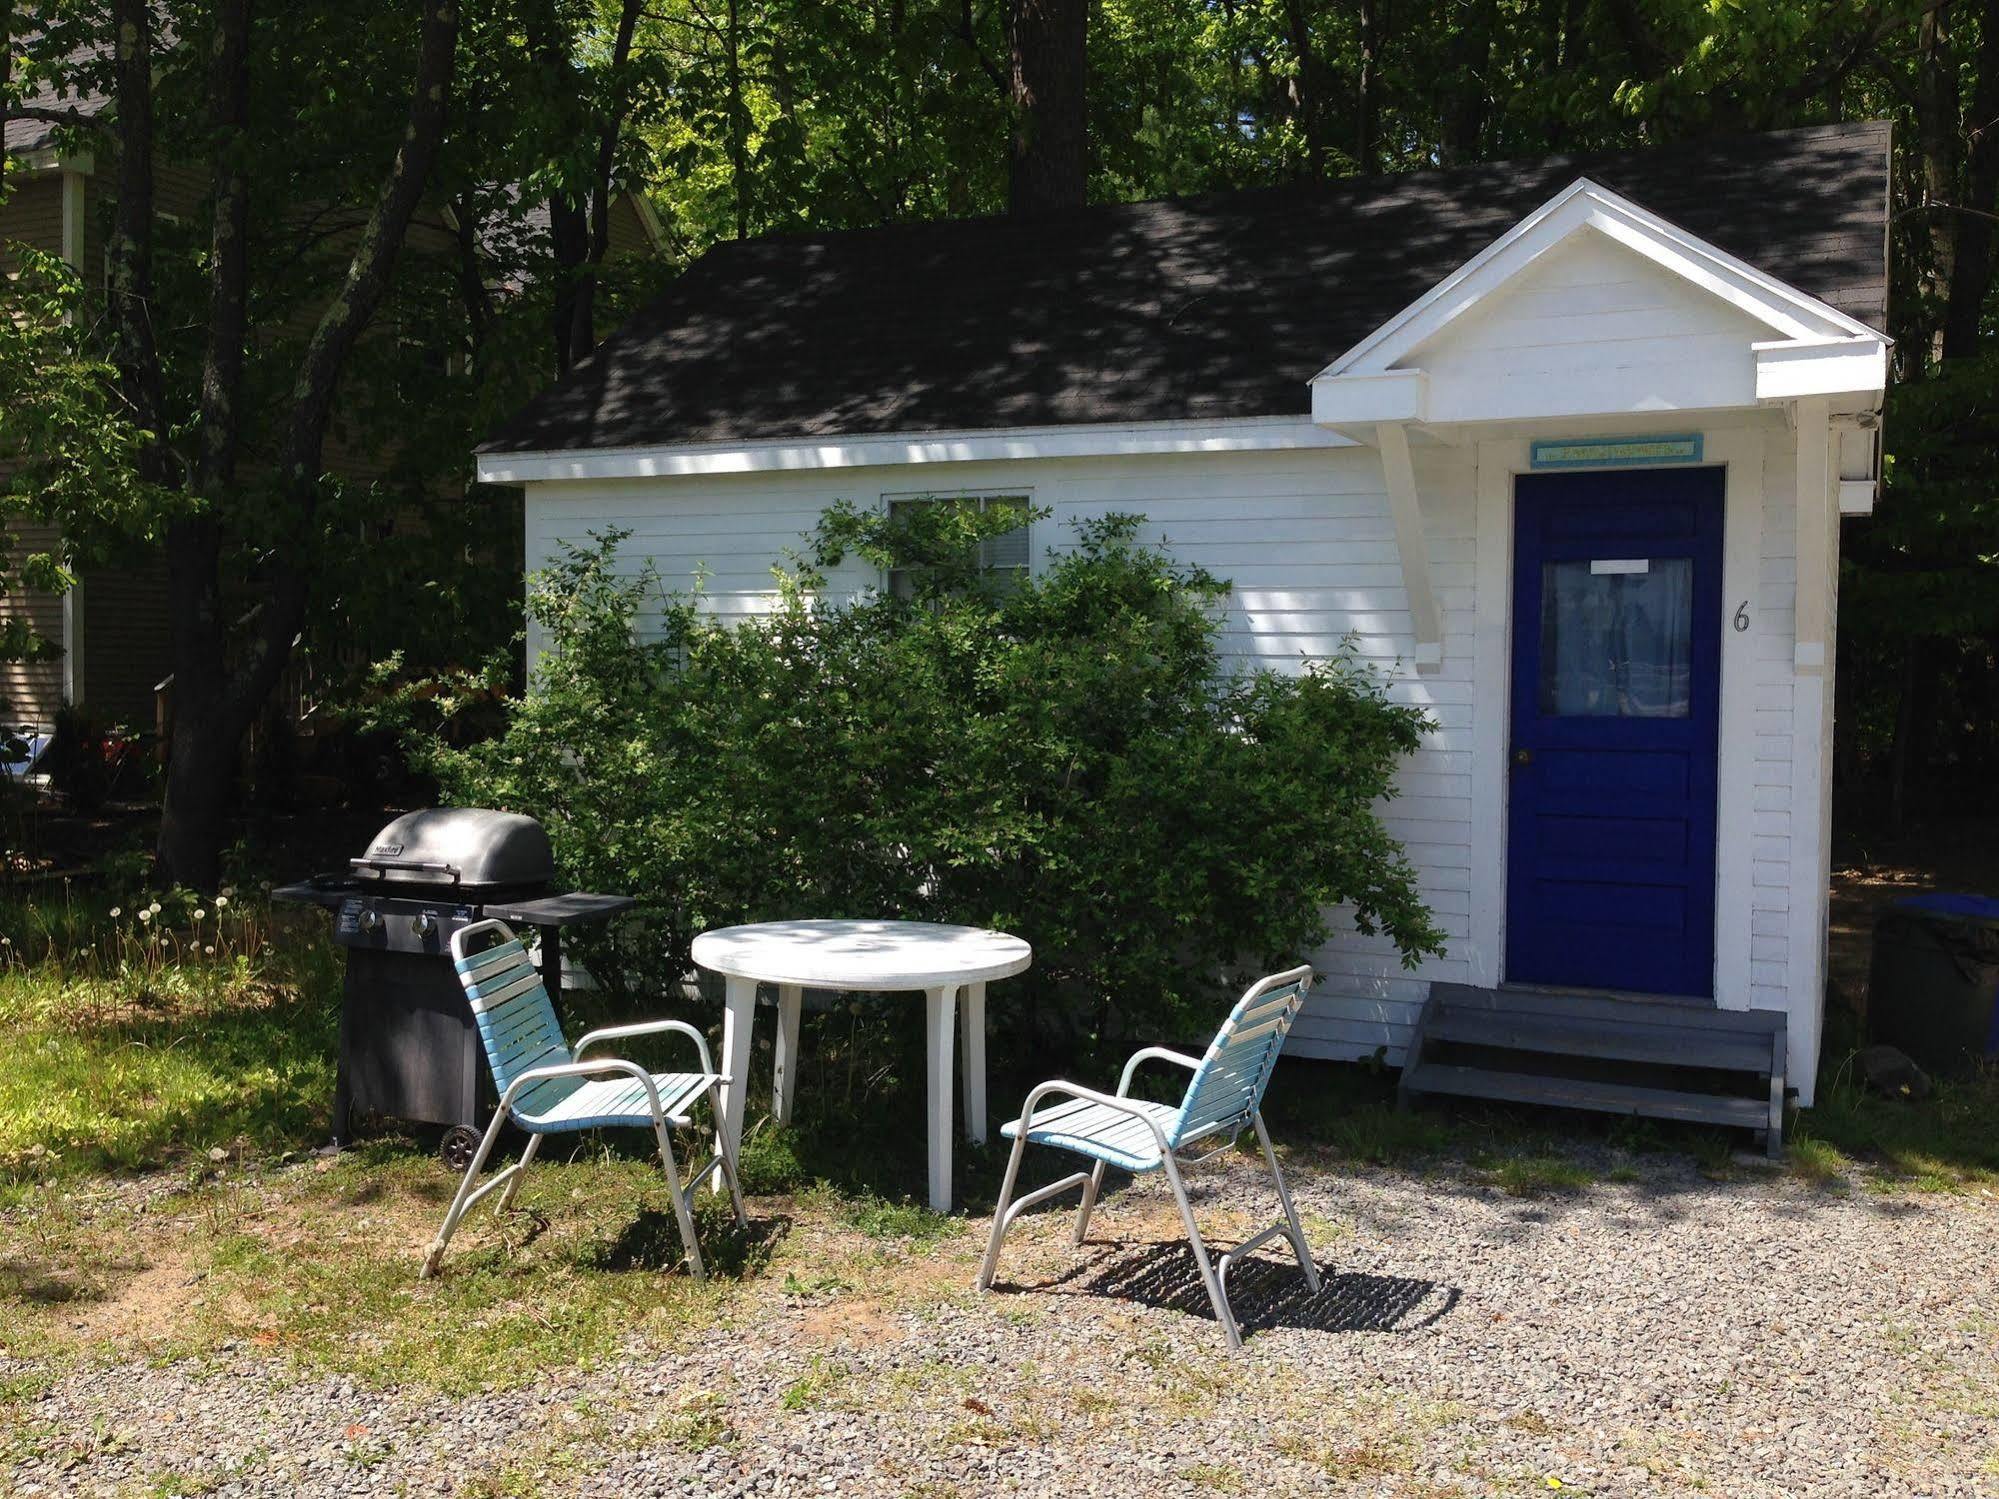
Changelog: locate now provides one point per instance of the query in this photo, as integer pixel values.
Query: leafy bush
(1068, 758)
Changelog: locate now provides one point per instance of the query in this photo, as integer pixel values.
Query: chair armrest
(588, 1069)
(1152, 1053)
(1090, 1095)
(649, 1028)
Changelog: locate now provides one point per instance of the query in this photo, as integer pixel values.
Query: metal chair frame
(660, 1116)
(1257, 1016)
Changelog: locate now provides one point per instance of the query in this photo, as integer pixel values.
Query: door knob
(1523, 756)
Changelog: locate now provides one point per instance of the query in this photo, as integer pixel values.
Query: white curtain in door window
(1616, 642)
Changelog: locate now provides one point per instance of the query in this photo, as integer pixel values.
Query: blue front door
(1616, 702)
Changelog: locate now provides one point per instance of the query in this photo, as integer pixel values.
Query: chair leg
(1298, 1245)
(1090, 1191)
(991, 1262)
(681, 1211)
(1216, 1296)
(727, 1151)
(514, 1185)
(464, 1198)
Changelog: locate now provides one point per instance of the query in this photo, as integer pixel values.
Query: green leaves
(1073, 759)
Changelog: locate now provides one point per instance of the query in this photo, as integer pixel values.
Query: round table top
(862, 954)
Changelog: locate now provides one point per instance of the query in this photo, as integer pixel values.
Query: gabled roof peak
(1588, 207)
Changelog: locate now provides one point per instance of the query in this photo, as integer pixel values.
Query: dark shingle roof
(1194, 308)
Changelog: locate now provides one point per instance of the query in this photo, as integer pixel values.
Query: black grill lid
(462, 847)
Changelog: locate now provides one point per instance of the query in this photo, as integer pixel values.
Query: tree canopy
(272, 131)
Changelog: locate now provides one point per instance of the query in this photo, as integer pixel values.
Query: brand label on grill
(388, 850)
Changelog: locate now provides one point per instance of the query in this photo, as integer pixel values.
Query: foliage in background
(1068, 758)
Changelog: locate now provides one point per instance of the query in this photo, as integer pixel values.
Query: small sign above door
(1614, 452)
(1603, 566)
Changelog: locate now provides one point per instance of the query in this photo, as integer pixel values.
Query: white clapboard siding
(1591, 326)
(1307, 542)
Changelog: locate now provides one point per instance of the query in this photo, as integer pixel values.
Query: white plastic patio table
(944, 962)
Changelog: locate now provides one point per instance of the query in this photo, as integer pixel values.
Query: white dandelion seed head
(116, 912)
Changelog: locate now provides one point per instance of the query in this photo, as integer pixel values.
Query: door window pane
(1616, 642)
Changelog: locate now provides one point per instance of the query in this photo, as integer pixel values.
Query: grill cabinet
(409, 1048)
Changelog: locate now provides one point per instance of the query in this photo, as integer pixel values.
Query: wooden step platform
(1612, 1054)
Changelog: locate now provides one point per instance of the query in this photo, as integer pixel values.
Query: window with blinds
(1004, 556)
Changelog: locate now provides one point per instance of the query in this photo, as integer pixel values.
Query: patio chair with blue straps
(1224, 1095)
(548, 1088)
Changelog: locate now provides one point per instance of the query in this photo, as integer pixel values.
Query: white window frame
(984, 495)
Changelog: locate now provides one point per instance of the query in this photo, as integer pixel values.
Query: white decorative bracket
(1400, 474)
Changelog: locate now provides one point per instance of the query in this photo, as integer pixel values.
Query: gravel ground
(1663, 1335)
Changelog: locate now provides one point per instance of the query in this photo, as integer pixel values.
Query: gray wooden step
(1630, 1010)
(1686, 1044)
(1580, 1093)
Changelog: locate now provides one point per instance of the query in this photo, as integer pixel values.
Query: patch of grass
(768, 1165)
(1816, 1161)
(319, 1267)
(130, 1059)
(1348, 1462)
(879, 1218)
(1948, 1142)
(810, 1389)
(698, 1425)
(1540, 1176)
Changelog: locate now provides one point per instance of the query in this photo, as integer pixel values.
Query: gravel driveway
(1658, 1334)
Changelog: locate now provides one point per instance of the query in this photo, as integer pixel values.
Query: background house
(112, 629)
(1449, 417)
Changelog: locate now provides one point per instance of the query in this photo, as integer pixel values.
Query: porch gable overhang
(1812, 350)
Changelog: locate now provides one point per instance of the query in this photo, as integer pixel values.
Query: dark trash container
(1933, 989)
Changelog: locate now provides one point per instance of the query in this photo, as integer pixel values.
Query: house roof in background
(23, 136)
(1186, 309)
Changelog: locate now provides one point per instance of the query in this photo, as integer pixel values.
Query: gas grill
(409, 1048)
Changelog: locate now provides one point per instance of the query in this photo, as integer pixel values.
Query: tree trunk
(1309, 88)
(739, 125)
(130, 252)
(1938, 123)
(201, 778)
(1972, 228)
(1470, 100)
(1366, 107)
(215, 704)
(583, 327)
(1050, 161)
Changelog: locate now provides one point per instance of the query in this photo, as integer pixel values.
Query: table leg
(784, 1079)
(939, 1007)
(972, 1060)
(738, 1014)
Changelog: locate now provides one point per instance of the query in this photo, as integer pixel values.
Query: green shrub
(1069, 758)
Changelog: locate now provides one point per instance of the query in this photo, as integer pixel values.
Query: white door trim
(1739, 451)
(1499, 460)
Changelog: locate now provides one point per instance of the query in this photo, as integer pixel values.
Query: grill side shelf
(561, 910)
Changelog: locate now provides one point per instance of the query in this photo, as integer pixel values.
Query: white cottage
(1562, 444)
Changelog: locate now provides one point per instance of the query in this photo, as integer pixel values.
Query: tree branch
(53, 116)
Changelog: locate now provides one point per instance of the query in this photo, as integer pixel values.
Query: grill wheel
(459, 1145)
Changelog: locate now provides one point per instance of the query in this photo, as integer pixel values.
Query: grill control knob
(370, 918)
(423, 924)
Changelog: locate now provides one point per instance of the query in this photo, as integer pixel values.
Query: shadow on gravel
(1264, 1293)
